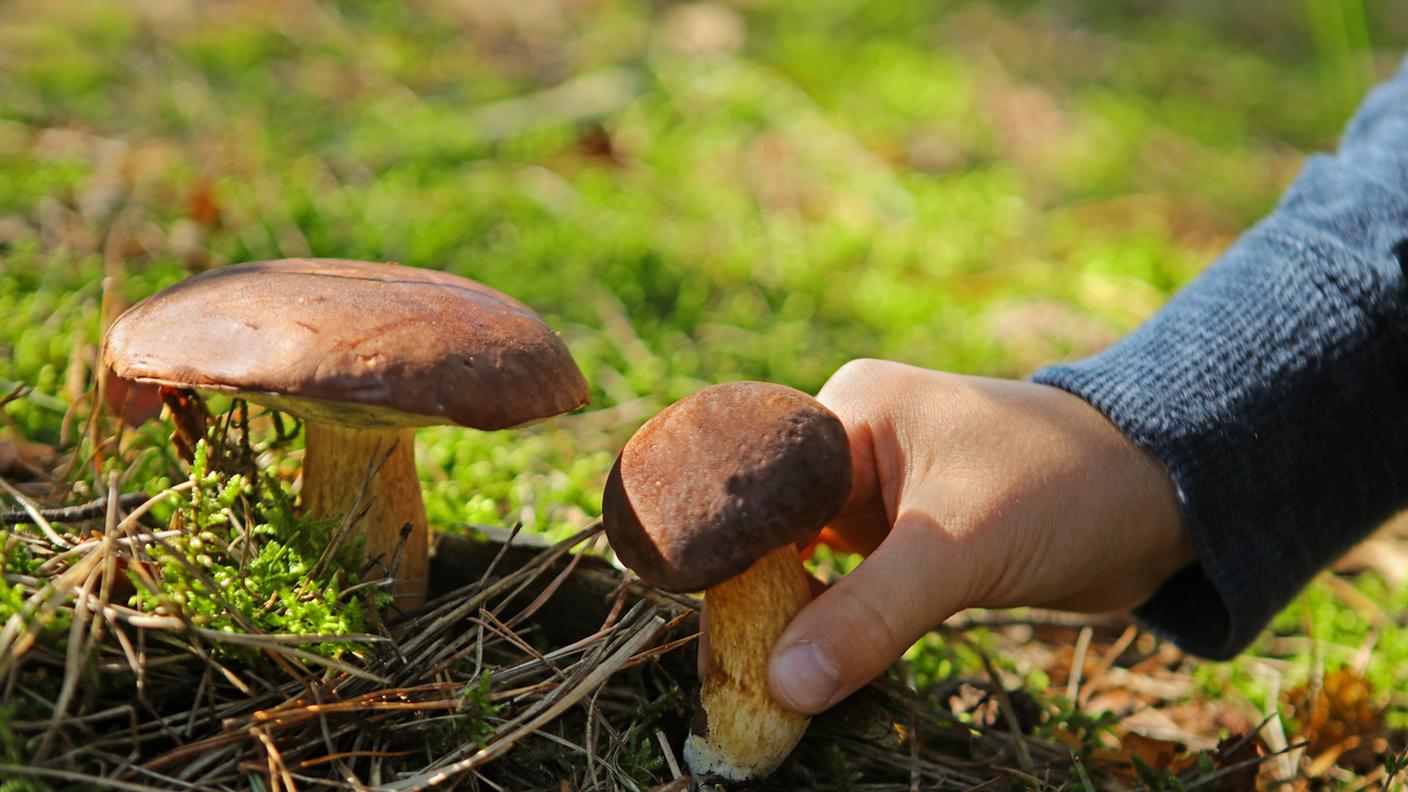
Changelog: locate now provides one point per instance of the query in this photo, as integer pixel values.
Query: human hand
(973, 492)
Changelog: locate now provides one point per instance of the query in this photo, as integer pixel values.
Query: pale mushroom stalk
(336, 462)
(745, 733)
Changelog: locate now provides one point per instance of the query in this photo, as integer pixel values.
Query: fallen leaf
(202, 205)
(1165, 756)
(1235, 750)
(22, 460)
(1339, 718)
(703, 29)
(1383, 553)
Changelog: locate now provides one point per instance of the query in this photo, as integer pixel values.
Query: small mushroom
(363, 353)
(713, 494)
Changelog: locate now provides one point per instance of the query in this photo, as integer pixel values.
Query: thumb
(865, 622)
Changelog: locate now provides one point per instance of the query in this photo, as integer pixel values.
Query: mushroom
(364, 353)
(713, 494)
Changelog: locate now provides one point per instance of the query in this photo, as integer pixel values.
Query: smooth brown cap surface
(718, 479)
(353, 341)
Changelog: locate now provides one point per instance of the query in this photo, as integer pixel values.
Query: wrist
(1170, 547)
(1146, 508)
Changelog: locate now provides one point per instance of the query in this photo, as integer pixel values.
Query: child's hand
(973, 492)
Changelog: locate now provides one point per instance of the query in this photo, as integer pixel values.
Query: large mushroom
(713, 494)
(363, 353)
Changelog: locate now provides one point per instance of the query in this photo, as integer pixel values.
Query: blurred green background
(690, 193)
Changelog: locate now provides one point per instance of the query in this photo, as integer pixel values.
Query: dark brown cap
(720, 478)
(351, 341)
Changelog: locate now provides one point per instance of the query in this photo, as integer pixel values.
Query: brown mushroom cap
(718, 479)
(356, 342)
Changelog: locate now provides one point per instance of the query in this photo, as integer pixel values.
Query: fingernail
(805, 678)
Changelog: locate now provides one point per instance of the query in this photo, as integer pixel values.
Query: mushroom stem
(739, 732)
(334, 466)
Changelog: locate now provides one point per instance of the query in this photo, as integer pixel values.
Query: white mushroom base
(707, 761)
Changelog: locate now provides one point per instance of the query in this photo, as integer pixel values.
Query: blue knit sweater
(1274, 388)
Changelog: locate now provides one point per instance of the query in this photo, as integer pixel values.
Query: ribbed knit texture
(1274, 388)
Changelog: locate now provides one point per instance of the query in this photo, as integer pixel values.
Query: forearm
(1274, 388)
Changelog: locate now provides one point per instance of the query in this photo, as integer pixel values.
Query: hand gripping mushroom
(363, 353)
(713, 494)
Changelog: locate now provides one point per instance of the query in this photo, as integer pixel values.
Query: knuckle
(860, 378)
(852, 372)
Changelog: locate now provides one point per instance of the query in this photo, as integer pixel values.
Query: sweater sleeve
(1274, 388)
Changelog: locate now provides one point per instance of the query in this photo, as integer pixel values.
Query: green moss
(241, 565)
(472, 721)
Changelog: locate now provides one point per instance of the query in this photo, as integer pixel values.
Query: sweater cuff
(1271, 390)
